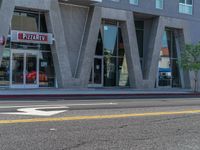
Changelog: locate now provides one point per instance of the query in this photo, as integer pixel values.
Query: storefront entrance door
(96, 77)
(24, 69)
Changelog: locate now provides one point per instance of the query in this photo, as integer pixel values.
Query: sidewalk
(97, 93)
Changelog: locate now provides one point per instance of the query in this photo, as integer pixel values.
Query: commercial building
(96, 43)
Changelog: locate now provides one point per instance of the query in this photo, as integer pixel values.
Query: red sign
(31, 37)
(2, 40)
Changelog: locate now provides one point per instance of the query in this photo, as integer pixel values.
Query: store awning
(81, 2)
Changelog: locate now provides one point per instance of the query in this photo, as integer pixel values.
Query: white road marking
(60, 105)
(37, 111)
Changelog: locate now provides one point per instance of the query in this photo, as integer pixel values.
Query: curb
(99, 96)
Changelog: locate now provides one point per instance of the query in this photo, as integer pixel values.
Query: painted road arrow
(37, 111)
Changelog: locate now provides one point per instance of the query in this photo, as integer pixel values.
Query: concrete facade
(75, 27)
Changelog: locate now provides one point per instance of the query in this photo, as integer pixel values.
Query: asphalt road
(161, 124)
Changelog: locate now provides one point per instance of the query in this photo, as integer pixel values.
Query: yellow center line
(114, 116)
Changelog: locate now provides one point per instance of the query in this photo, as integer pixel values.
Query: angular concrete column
(59, 48)
(180, 45)
(89, 46)
(185, 38)
(153, 55)
(7, 7)
(131, 51)
(155, 44)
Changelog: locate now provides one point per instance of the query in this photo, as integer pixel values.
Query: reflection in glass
(5, 68)
(175, 74)
(115, 65)
(115, 70)
(110, 50)
(169, 75)
(110, 40)
(140, 36)
(31, 69)
(32, 22)
(110, 75)
(24, 21)
(97, 71)
(122, 72)
(46, 70)
(18, 68)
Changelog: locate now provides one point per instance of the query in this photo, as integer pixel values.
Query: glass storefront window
(25, 46)
(18, 68)
(5, 68)
(110, 75)
(114, 71)
(25, 21)
(139, 26)
(43, 26)
(122, 72)
(99, 47)
(110, 40)
(168, 74)
(140, 36)
(31, 64)
(46, 70)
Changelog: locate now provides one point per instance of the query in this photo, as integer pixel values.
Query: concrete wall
(170, 10)
(6, 8)
(148, 7)
(194, 27)
(74, 22)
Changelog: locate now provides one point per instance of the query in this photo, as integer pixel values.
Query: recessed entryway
(24, 70)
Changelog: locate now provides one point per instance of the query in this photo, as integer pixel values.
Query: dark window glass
(110, 71)
(139, 25)
(182, 1)
(43, 26)
(25, 46)
(140, 37)
(122, 69)
(5, 68)
(122, 72)
(97, 71)
(99, 47)
(114, 69)
(121, 50)
(189, 2)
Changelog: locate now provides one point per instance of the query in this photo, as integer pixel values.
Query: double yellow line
(76, 118)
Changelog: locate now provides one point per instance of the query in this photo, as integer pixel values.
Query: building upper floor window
(159, 4)
(134, 2)
(186, 6)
